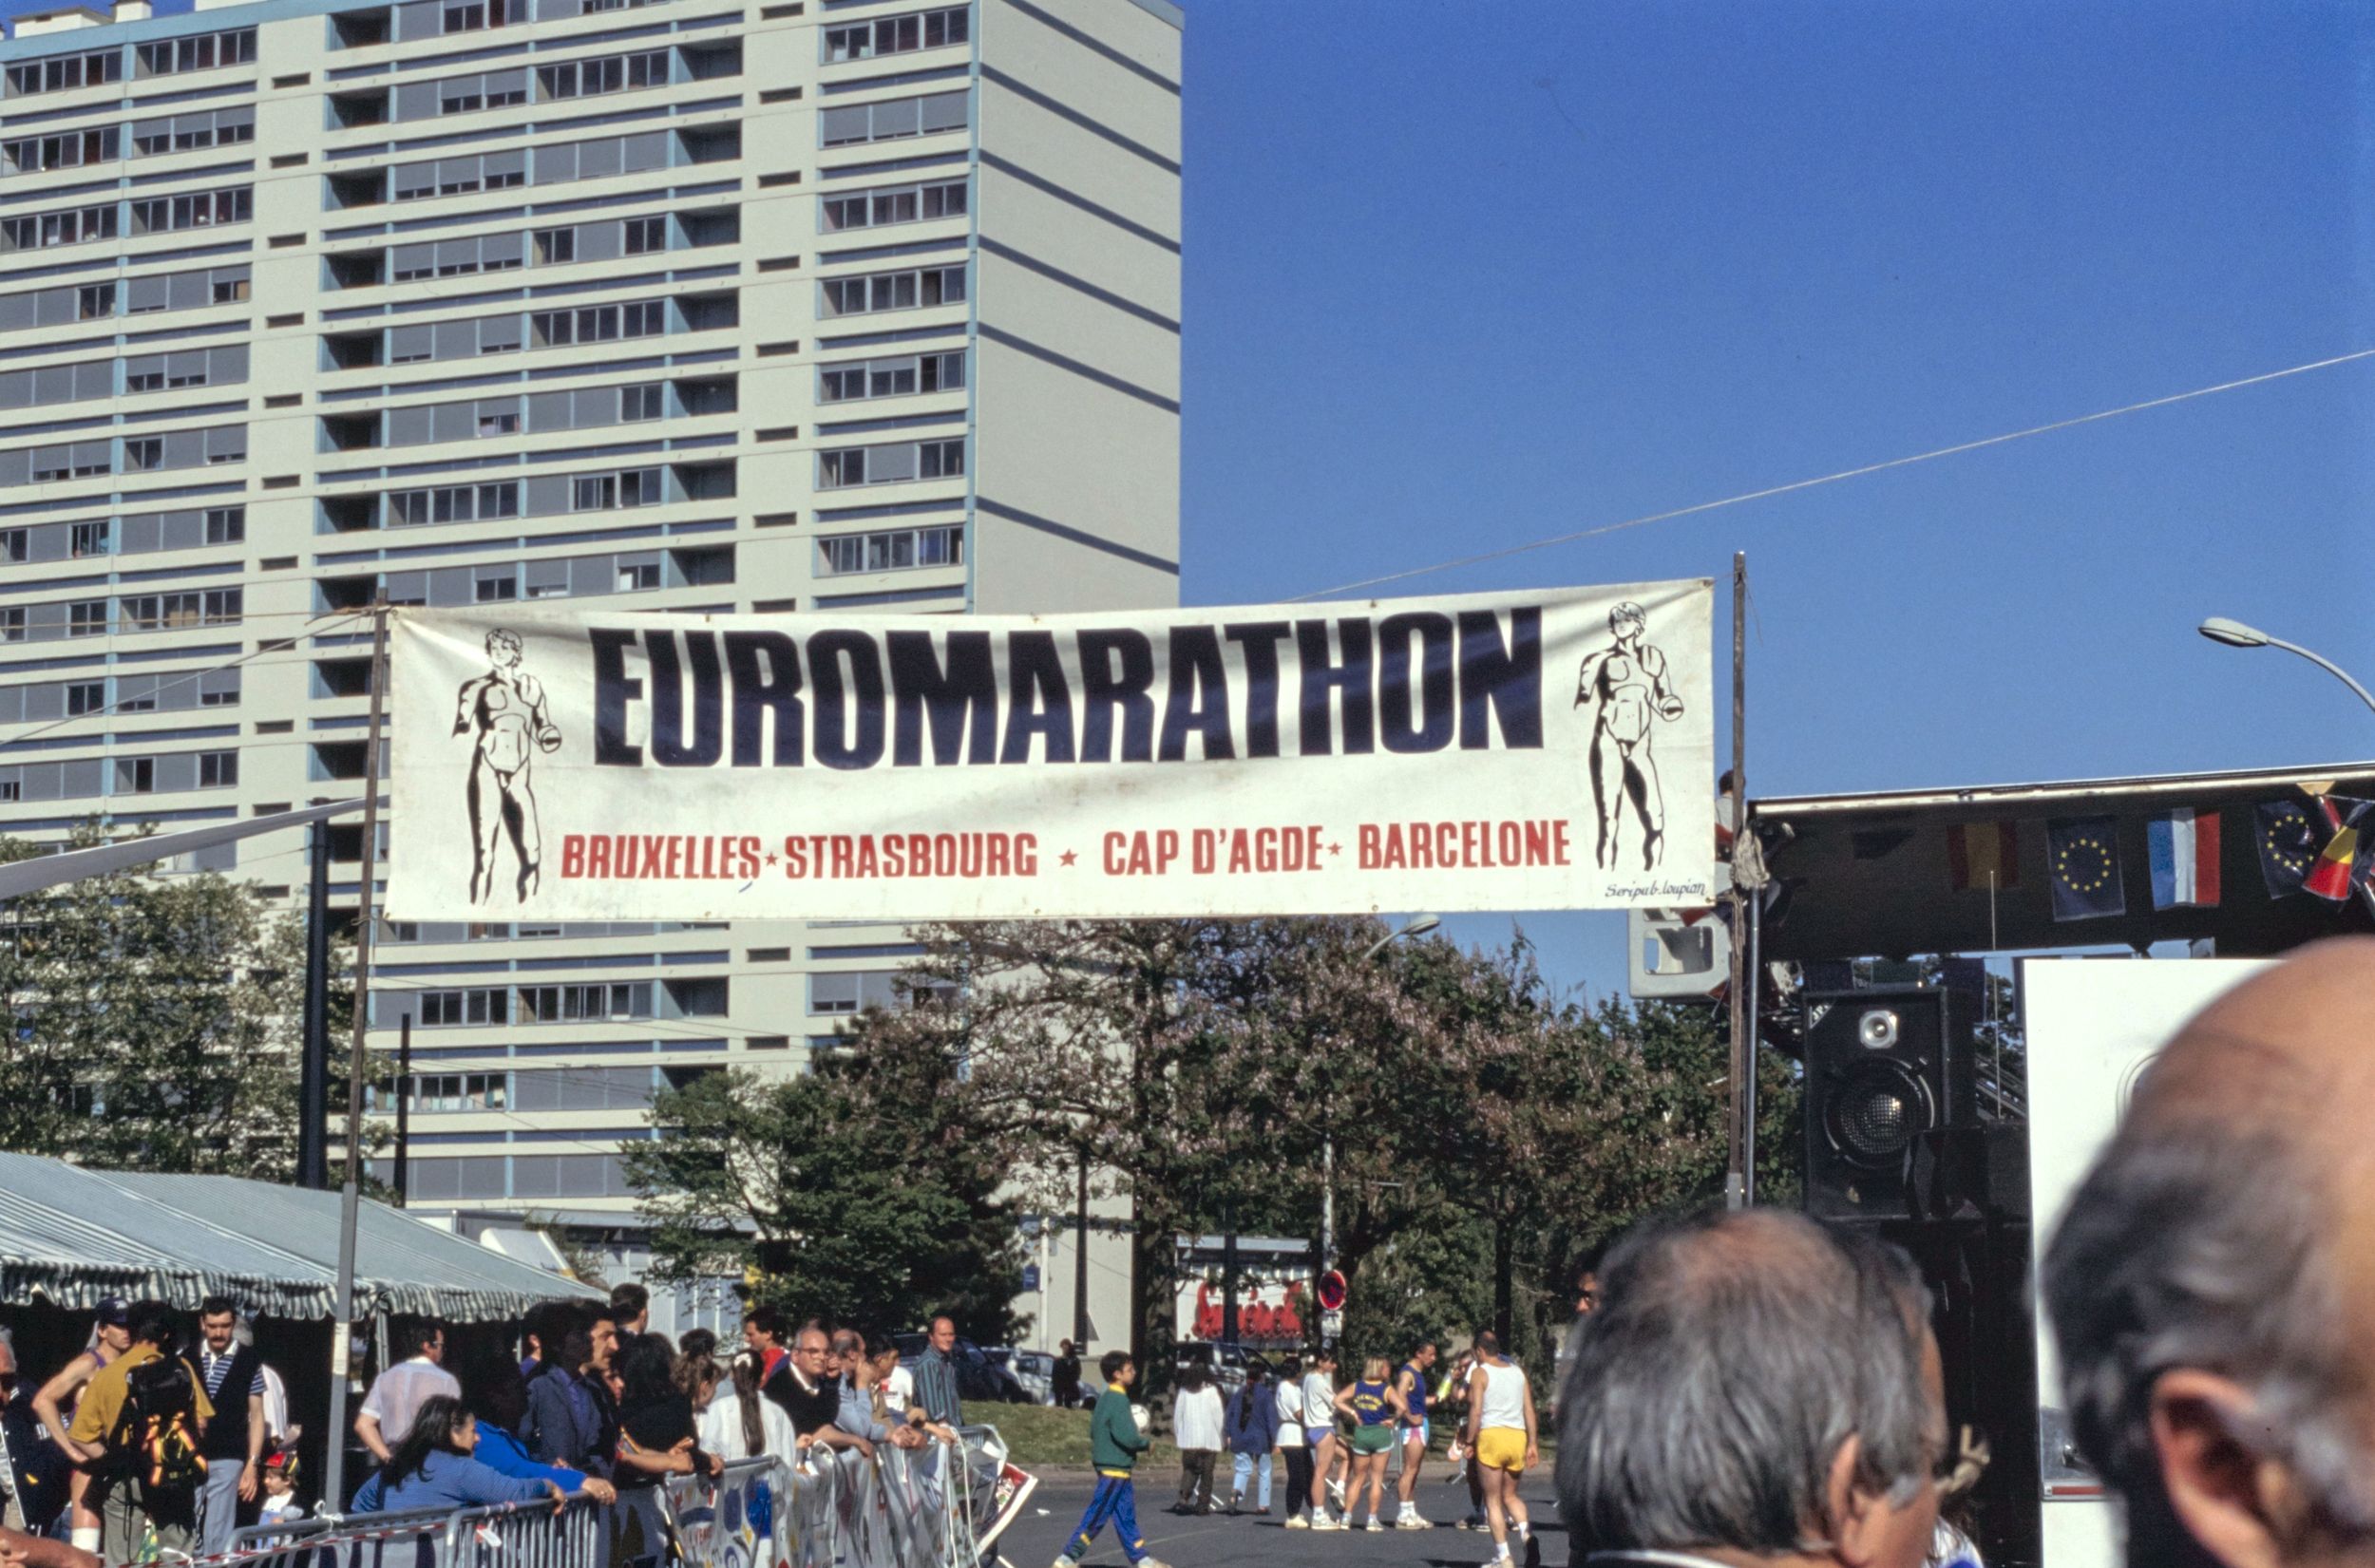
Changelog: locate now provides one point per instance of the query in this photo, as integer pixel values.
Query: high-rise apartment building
(744, 306)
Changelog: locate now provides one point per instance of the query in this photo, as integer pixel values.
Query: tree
(863, 1192)
(156, 1023)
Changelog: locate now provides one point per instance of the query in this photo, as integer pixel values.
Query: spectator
(881, 1367)
(898, 1385)
(280, 1503)
(18, 1550)
(810, 1395)
(139, 1422)
(1756, 1387)
(698, 1342)
(33, 1479)
(1196, 1430)
(2209, 1285)
(111, 1335)
(631, 1309)
(936, 1376)
(656, 1435)
(1064, 1385)
(1252, 1432)
(497, 1399)
(1292, 1445)
(433, 1465)
(233, 1375)
(862, 1414)
(547, 1324)
(737, 1421)
(564, 1420)
(387, 1414)
(1115, 1444)
(1320, 1435)
(762, 1331)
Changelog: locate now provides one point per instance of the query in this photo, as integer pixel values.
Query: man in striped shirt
(234, 1440)
(936, 1376)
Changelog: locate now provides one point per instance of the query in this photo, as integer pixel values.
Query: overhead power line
(1772, 490)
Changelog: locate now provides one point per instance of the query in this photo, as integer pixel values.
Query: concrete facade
(754, 307)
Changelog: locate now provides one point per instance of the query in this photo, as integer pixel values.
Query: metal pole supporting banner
(351, 1194)
(313, 1067)
(404, 1112)
(1080, 1263)
(1735, 1191)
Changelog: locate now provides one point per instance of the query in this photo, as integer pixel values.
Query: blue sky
(1460, 276)
(1466, 275)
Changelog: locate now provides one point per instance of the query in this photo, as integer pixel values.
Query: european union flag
(2082, 856)
(2288, 841)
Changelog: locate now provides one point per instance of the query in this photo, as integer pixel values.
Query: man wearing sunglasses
(2210, 1283)
(1754, 1391)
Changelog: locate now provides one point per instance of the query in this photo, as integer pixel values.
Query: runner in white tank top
(1501, 1431)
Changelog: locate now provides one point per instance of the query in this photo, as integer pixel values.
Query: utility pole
(1741, 1160)
(313, 1064)
(1080, 1261)
(351, 1194)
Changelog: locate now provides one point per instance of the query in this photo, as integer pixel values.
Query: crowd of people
(141, 1444)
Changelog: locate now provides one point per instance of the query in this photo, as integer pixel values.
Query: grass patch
(1039, 1437)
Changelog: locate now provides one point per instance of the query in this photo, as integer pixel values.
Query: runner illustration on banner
(503, 711)
(1629, 682)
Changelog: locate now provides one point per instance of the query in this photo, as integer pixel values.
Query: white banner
(1490, 752)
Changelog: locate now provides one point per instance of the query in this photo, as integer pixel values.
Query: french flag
(2184, 847)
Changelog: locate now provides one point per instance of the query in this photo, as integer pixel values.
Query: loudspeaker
(1884, 1067)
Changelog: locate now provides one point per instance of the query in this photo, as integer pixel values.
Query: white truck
(2093, 1025)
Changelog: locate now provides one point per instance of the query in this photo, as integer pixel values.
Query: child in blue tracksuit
(1115, 1444)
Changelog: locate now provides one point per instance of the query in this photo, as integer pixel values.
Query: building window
(87, 618)
(166, 214)
(901, 377)
(476, 16)
(906, 291)
(446, 1009)
(15, 544)
(639, 403)
(896, 550)
(880, 208)
(41, 231)
(136, 775)
(65, 72)
(894, 118)
(892, 464)
(13, 624)
(87, 697)
(614, 73)
(640, 235)
(929, 29)
(226, 525)
(205, 52)
(556, 245)
(89, 538)
(637, 577)
(218, 769)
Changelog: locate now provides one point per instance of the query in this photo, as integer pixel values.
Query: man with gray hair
(2213, 1283)
(1755, 1389)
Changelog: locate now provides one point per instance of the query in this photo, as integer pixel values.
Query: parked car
(1036, 1371)
(977, 1376)
(1225, 1359)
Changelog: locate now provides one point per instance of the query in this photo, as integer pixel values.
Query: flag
(2083, 855)
(2330, 876)
(2184, 847)
(2288, 841)
(1984, 856)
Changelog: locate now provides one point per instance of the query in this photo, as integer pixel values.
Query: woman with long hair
(737, 1421)
(657, 1433)
(433, 1467)
(1375, 1406)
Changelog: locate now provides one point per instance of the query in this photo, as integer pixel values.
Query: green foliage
(863, 1192)
(156, 1023)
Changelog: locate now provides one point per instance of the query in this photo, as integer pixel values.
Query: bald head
(2217, 1266)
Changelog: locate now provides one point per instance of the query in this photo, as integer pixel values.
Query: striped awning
(70, 1237)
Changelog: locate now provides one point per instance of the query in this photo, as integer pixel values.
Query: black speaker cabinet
(1885, 1067)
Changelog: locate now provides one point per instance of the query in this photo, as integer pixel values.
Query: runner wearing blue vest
(1411, 1383)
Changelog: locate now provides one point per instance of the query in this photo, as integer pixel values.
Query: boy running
(1115, 1444)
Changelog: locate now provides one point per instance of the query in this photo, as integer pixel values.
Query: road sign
(1332, 1291)
(1030, 1277)
(1331, 1324)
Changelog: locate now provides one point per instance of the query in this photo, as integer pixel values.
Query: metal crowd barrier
(932, 1507)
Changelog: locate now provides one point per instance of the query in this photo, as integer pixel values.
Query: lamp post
(1418, 926)
(2233, 633)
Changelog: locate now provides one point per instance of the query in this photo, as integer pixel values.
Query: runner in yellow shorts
(1501, 1432)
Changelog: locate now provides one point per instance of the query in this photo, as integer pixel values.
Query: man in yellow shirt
(136, 1435)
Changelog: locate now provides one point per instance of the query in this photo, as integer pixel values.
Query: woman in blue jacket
(433, 1467)
(497, 1395)
(1252, 1433)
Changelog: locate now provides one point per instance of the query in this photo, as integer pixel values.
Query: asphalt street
(1218, 1541)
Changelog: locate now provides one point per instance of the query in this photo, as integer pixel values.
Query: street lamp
(1418, 926)
(2233, 633)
